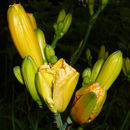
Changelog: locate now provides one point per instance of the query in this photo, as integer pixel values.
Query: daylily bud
(110, 70)
(106, 55)
(126, 67)
(86, 80)
(90, 6)
(104, 3)
(32, 20)
(88, 53)
(29, 70)
(67, 23)
(86, 76)
(86, 72)
(88, 56)
(127, 62)
(96, 69)
(101, 53)
(42, 43)
(50, 54)
(23, 34)
(61, 26)
(61, 16)
(88, 103)
(53, 59)
(56, 85)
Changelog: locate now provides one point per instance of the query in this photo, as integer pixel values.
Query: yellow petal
(32, 20)
(23, 34)
(44, 90)
(65, 82)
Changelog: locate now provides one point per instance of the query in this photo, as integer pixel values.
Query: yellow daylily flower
(56, 85)
(23, 34)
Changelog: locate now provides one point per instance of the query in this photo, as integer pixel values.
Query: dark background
(18, 110)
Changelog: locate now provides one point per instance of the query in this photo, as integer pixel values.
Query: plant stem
(83, 45)
(126, 118)
(55, 40)
(91, 23)
(59, 122)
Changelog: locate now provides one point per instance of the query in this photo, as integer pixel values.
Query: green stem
(83, 45)
(125, 121)
(59, 121)
(55, 40)
(91, 23)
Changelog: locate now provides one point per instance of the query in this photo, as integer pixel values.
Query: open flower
(56, 85)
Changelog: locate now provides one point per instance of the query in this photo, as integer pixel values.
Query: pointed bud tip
(119, 52)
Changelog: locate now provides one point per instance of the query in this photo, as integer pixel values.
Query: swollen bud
(23, 34)
(88, 103)
(110, 70)
(29, 70)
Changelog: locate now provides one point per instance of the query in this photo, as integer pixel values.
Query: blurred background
(17, 109)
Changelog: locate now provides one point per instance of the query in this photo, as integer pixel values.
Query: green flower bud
(101, 53)
(96, 69)
(53, 59)
(61, 16)
(110, 70)
(86, 72)
(49, 52)
(67, 22)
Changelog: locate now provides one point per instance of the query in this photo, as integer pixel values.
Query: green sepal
(29, 70)
(82, 109)
(18, 75)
